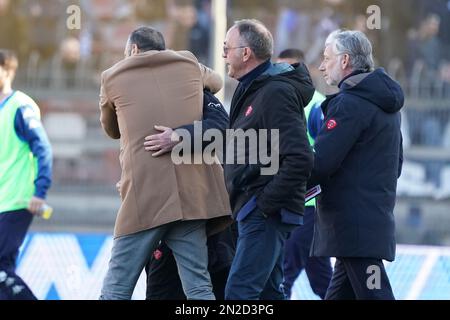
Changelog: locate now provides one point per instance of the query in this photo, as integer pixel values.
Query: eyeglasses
(226, 49)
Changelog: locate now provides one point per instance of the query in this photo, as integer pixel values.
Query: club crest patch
(331, 124)
(249, 111)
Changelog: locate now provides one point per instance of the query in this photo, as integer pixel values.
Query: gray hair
(356, 45)
(257, 37)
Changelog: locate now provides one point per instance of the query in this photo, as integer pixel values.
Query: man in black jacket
(267, 197)
(358, 157)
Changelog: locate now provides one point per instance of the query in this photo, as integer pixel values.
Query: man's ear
(134, 49)
(345, 62)
(247, 52)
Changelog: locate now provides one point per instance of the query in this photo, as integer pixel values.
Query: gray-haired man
(357, 162)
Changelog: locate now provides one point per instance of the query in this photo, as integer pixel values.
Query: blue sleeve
(315, 120)
(30, 130)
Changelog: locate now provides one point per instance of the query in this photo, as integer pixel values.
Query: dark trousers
(257, 269)
(360, 279)
(163, 281)
(296, 258)
(13, 228)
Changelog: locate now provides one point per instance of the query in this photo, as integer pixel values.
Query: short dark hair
(292, 53)
(8, 60)
(257, 37)
(146, 39)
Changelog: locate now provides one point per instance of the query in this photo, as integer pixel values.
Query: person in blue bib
(25, 175)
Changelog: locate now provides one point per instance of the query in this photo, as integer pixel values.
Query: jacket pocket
(255, 222)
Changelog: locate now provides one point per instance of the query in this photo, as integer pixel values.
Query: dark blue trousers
(257, 269)
(13, 228)
(359, 279)
(296, 258)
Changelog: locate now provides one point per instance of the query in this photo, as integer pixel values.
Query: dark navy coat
(358, 158)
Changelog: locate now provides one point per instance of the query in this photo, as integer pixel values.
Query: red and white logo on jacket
(331, 124)
(249, 111)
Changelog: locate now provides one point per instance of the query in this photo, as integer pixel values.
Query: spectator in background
(294, 25)
(329, 19)
(45, 17)
(24, 182)
(70, 58)
(151, 11)
(425, 46)
(429, 45)
(200, 33)
(13, 28)
(298, 245)
(425, 68)
(182, 18)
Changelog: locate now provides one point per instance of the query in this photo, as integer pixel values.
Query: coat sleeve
(342, 127)
(212, 81)
(284, 111)
(108, 116)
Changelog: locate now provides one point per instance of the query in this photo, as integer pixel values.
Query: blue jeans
(257, 269)
(130, 253)
(13, 228)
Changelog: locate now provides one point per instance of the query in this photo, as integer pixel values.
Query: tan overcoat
(160, 88)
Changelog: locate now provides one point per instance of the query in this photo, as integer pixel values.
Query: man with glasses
(266, 207)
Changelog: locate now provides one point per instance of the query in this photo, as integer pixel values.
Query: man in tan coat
(160, 200)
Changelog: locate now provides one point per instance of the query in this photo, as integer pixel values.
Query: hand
(161, 143)
(35, 205)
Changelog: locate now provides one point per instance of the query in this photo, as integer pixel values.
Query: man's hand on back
(161, 143)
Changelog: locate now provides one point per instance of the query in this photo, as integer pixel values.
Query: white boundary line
(423, 274)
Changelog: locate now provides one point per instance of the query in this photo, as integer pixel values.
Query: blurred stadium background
(65, 258)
